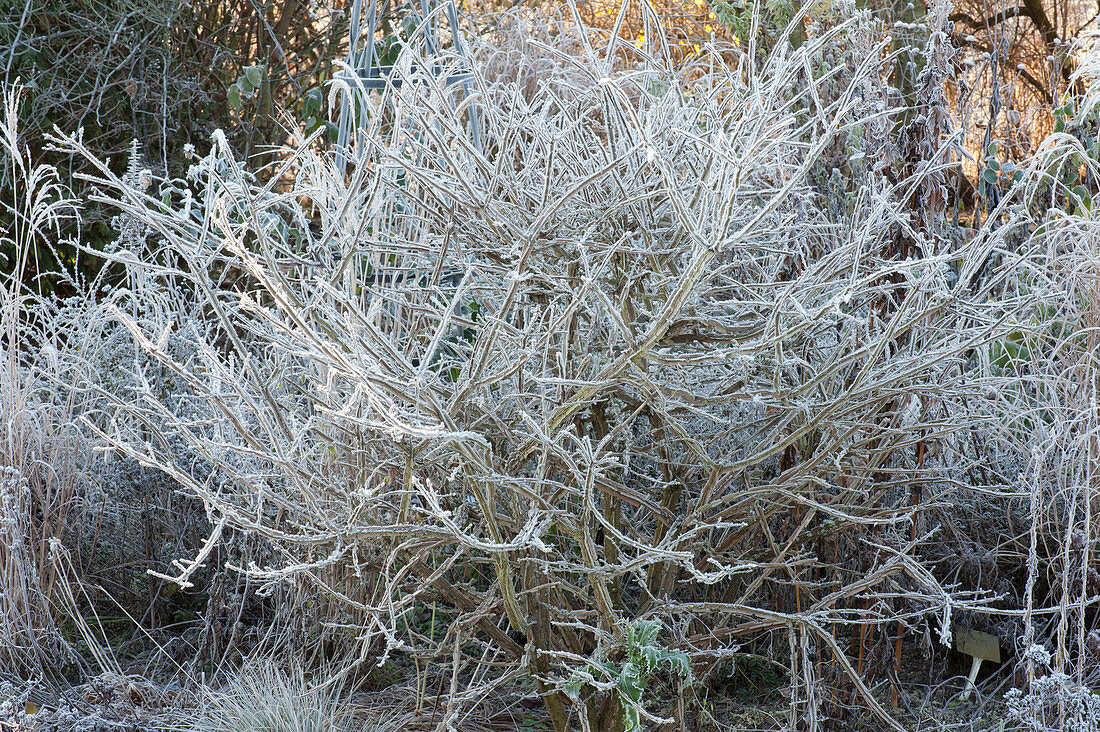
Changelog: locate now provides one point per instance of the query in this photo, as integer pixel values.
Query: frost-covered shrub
(611, 362)
(1048, 409)
(71, 522)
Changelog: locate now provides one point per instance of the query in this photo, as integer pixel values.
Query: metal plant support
(369, 74)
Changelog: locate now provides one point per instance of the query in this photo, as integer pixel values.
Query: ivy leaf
(254, 74)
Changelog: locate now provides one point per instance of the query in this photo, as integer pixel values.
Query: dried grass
(38, 439)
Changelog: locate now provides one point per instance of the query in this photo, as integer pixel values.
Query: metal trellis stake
(369, 74)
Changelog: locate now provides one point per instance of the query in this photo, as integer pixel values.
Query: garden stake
(980, 647)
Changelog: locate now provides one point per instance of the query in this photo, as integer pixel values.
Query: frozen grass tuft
(262, 697)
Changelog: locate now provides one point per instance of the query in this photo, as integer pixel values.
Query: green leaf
(1010, 350)
(993, 164)
(254, 74)
(311, 103)
(631, 683)
(678, 661)
(650, 657)
(644, 632)
(234, 96)
(989, 176)
(632, 719)
(991, 151)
